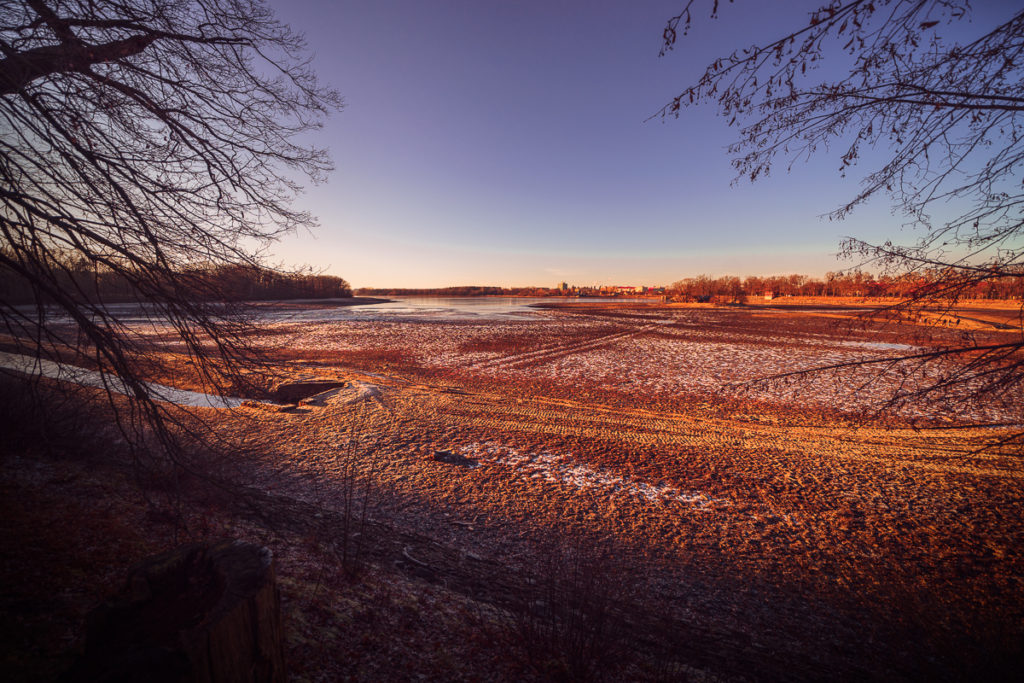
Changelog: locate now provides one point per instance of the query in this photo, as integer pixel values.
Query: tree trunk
(198, 613)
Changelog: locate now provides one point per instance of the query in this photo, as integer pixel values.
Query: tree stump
(197, 613)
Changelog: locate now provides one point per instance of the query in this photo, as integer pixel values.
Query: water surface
(92, 378)
(429, 308)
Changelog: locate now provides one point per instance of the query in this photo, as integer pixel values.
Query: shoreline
(332, 302)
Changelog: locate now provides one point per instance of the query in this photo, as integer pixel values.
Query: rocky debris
(270, 407)
(333, 393)
(454, 459)
(360, 391)
(323, 398)
(293, 392)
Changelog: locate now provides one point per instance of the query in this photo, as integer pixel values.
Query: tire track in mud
(927, 452)
(550, 353)
(939, 452)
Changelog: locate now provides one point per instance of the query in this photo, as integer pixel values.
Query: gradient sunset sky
(506, 144)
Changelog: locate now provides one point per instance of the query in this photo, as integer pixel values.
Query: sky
(487, 143)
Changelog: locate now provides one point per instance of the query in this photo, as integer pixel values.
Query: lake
(434, 308)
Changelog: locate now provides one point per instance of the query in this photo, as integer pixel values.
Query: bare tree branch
(147, 143)
(950, 116)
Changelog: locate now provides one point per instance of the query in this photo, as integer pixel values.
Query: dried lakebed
(647, 353)
(781, 532)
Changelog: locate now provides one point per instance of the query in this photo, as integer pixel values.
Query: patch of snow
(93, 378)
(879, 346)
(562, 469)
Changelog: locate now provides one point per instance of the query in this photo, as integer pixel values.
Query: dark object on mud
(454, 459)
(293, 392)
(197, 613)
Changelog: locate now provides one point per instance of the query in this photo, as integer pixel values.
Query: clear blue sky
(506, 144)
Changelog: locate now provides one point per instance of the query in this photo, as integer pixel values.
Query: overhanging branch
(19, 69)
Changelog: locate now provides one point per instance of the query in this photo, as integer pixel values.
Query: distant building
(769, 295)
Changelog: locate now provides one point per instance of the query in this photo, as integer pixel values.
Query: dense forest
(92, 282)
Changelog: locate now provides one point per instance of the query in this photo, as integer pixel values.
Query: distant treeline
(86, 281)
(735, 289)
(854, 284)
(472, 290)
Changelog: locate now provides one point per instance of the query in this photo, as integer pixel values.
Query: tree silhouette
(948, 115)
(152, 143)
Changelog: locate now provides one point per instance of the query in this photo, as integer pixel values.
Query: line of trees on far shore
(852, 284)
(732, 289)
(240, 282)
(466, 290)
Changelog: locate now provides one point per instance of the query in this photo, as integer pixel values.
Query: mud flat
(786, 516)
(643, 354)
(781, 532)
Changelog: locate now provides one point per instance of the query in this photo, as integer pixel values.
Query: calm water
(406, 308)
(434, 308)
